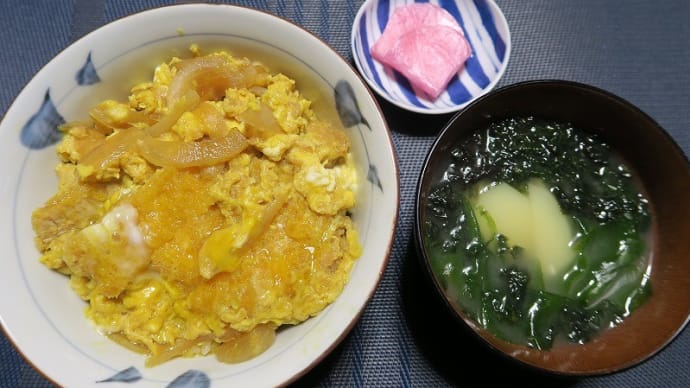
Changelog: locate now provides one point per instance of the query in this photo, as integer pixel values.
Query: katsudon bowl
(44, 317)
(490, 277)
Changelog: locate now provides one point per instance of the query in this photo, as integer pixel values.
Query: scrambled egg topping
(204, 212)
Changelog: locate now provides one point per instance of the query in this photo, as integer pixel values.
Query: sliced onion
(210, 76)
(261, 123)
(180, 154)
(122, 340)
(112, 148)
(247, 345)
(105, 124)
(181, 346)
(186, 103)
(85, 138)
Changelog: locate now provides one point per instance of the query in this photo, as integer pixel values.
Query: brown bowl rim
(483, 335)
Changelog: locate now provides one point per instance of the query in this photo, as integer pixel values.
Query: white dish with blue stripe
(486, 30)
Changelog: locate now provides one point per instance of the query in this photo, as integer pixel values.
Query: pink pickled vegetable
(424, 43)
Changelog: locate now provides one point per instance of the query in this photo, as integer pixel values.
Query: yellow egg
(186, 260)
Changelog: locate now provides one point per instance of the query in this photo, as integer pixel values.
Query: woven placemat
(636, 49)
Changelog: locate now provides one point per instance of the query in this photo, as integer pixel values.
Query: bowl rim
(355, 33)
(422, 257)
(304, 369)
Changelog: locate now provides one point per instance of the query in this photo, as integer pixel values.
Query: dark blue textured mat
(637, 49)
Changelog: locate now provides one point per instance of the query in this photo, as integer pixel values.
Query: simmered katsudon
(203, 213)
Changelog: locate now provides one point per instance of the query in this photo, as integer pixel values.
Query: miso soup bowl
(664, 172)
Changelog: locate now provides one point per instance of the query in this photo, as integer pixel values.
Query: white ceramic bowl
(45, 319)
(486, 30)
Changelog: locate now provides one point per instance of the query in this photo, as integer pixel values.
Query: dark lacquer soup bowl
(552, 219)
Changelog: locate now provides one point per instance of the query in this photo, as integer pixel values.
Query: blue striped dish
(485, 29)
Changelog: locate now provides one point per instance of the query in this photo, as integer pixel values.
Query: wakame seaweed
(500, 288)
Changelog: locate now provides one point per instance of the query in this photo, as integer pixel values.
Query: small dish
(486, 30)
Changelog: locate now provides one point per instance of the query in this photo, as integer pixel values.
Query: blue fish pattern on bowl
(346, 104)
(87, 75)
(129, 375)
(350, 115)
(42, 128)
(189, 379)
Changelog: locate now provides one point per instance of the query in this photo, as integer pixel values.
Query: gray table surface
(637, 49)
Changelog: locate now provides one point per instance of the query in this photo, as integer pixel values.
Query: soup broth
(537, 231)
